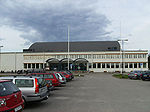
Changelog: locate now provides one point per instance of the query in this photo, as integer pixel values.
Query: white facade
(108, 61)
(11, 61)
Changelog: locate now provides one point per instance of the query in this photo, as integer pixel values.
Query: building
(96, 56)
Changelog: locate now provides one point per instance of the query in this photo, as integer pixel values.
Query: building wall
(134, 60)
(11, 61)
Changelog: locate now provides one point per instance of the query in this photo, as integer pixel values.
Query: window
(108, 65)
(94, 56)
(90, 65)
(99, 65)
(94, 65)
(89, 56)
(41, 65)
(117, 65)
(25, 65)
(140, 65)
(37, 65)
(48, 76)
(33, 65)
(130, 56)
(29, 65)
(103, 65)
(139, 56)
(135, 56)
(7, 88)
(24, 83)
(112, 65)
(144, 65)
(126, 65)
(130, 65)
(135, 65)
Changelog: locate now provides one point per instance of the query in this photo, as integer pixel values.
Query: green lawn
(120, 76)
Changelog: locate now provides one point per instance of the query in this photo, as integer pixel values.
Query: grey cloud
(47, 20)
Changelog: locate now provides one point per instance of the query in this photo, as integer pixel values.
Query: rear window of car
(24, 83)
(7, 88)
(42, 82)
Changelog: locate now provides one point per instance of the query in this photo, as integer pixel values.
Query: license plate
(18, 108)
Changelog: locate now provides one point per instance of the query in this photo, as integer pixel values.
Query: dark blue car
(145, 75)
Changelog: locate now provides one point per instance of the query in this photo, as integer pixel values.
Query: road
(97, 92)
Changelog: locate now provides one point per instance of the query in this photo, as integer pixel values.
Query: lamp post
(0, 57)
(122, 54)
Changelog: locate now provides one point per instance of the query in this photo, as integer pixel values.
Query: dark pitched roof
(82, 46)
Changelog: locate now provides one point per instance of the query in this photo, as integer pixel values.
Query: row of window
(94, 65)
(118, 65)
(89, 56)
(101, 56)
(33, 65)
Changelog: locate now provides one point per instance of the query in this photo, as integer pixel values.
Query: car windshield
(56, 75)
(24, 82)
(61, 75)
(7, 88)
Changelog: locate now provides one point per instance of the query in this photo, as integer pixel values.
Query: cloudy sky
(23, 22)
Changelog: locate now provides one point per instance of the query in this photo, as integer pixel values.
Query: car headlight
(2, 102)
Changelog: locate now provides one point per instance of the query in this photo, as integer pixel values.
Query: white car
(62, 79)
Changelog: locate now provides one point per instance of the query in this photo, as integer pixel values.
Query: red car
(10, 97)
(48, 76)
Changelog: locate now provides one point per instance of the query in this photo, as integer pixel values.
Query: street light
(0, 57)
(122, 54)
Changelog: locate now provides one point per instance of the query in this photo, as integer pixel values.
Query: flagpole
(68, 47)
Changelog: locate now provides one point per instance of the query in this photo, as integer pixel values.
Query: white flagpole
(68, 47)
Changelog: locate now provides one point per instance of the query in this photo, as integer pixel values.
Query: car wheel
(143, 79)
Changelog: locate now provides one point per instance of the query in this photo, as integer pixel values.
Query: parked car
(145, 75)
(10, 97)
(68, 77)
(33, 88)
(71, 74)
(61, 77)
(135, 75)
(48, 78)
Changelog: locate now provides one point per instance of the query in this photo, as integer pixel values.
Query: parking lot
(97, 92)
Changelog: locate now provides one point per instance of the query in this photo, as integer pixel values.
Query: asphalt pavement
(97, 92)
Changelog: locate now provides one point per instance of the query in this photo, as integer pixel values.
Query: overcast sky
(23, 22)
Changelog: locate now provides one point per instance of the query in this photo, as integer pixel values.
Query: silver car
(62, 78)
(33, 88)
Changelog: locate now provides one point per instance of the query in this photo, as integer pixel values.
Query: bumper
(56, 84)
(13, 108)
(37, 97)
(51, 88)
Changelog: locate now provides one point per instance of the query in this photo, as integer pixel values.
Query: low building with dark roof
(96, 56)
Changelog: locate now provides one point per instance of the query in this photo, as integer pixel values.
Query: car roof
(4, 81)
(19, 77)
